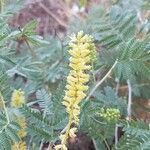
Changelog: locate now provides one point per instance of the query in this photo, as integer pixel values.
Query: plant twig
(1, 5)
(49, 147)
(106, 144)
(30, 141)
(33, 54)
(140, 17)
(101, 81)
(117, 86)
(30, 49)
(129, 111)
(44, 115)
(94, 79)
(116, 135)
(94, 143)
(102, 123)
(6, 112)
(41, 145)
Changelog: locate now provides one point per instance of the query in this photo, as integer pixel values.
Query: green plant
(120, 76)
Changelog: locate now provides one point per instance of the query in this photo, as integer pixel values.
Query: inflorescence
(82, 51)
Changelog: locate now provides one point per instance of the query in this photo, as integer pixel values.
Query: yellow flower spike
(81, 51)
(18, 98)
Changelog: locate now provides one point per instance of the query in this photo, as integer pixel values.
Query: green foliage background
(41, 67)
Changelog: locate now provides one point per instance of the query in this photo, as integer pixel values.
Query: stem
(67, 128)
(117, 86)
(30, 49)
(2, 5)
(129, 100)
(30, 141)
(26, 41)
(94, 143)
(49, 147)
(93, 73)
(41, 145)
(61, 43)
(106, 144)
(102, 123)
(140, 17)
(101, 81)
(5, 109)
(6, 112)
(44, 115)
(116, 135)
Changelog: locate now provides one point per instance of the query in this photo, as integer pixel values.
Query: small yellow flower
(17, 98)
(19, 146)
(110, 114)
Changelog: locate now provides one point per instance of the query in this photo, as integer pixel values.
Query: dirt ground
(52, 16)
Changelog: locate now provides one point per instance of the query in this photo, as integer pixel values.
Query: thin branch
(49, 147)
(140, 17)
(135, 85)
(102, 123)
(41, 145)
(117, 86)
(106, 144)
(129, 111)
(30, 141)
(33, 54)
(5, 109)
(101, 81)
(94, 143)
(94, 79)
(6, 112)
(116, 135)
(42, 141)
(1, 6)
(30, 49)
